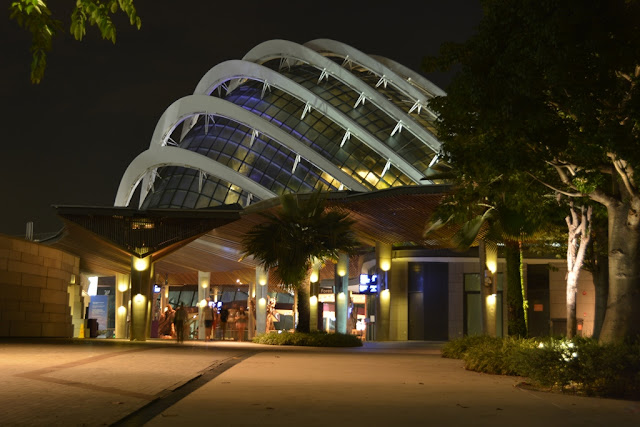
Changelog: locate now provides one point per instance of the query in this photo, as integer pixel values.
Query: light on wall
(343, 265)
(491, 299)
(123, 286)
(313, 300)
(141, 264)
(204, 283)
(385, 265)
(138, 299)
(385, 294)
(122, 311)
(314, 276)
(262, 302)
(203, 303)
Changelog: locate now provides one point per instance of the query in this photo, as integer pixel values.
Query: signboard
(368, 284)
(156, 289)
(98, 309)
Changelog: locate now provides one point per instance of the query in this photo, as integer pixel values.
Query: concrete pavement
(90, 382)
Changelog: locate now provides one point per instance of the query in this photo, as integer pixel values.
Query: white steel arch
(361, 58)
(408, 73)
(286, 49)
(194, 105)
(230, 70)
(156, 157)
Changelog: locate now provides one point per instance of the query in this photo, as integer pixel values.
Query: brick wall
(34, 280)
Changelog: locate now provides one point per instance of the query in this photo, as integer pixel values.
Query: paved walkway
(105, 382)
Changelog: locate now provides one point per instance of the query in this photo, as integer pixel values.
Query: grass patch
(581, 365)
(312, 339)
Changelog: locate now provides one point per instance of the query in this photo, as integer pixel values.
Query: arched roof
(325, 132)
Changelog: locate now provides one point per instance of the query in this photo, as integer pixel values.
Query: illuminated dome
(288, 118)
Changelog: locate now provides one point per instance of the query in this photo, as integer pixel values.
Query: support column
(341, 293)
(262, 280)
(141, 292)
(313, 296)
(489, 288)
(251, 322)
(122, 302)
(383, 319)
(204, 279)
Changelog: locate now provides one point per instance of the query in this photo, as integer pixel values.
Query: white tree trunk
(579, 236)
(622, 318)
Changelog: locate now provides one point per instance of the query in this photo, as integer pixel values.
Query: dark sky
(68, 140)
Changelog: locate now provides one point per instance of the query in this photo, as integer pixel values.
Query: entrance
(428, 301)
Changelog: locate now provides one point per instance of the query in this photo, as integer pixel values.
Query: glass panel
(472, 282)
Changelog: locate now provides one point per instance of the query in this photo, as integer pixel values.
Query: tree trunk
(515, 310)
(304, 307)
(572, 290)
(599, 267)
(622, 319)
(578, 240)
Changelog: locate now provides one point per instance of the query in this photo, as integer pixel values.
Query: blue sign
(368, 284)
(98, 309)
(156, 289)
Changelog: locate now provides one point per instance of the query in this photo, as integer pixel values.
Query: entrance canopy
(182, 242)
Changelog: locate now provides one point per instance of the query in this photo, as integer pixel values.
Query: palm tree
(289, 240)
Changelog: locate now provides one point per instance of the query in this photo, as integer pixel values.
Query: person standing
(207, 315)
(241, 322)
(224, 317)
(180, 319)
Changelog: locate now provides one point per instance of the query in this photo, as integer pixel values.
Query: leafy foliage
(580, 365)
(290, 239)
(549, 90)
(36, 17)
(313, 339)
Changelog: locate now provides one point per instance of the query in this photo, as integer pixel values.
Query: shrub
(313, 339)
(456, 348)
(580, 365)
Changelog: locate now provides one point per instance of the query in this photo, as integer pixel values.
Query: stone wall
(34, 280)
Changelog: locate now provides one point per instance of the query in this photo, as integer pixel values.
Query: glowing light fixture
(93, 285)
(262, 301)
(203, 303)
(385, 265)
(491, 299)
(385, 294)
(313, 300)
(343, 265)
(123, 286)
(141, 264)
(122, 311)
(138, 299)
(314, 277)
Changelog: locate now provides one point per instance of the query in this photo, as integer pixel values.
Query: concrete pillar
(383, 319)
(251, 312)
(313, 295)
(204, 280)
(341, 293)
(262, 280)
(141, 296)
(122, 299)
(490, 286)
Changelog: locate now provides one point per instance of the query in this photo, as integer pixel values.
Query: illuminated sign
(368, 284)
(156, 289)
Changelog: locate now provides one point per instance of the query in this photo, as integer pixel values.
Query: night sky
(68, 140)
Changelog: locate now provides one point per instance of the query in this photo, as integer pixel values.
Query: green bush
(313, 339)
(456, 348)
(580, 365)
